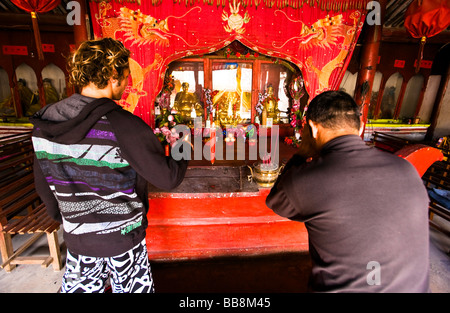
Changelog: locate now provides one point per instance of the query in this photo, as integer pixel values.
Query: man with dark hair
(93, 161)
(365, 210)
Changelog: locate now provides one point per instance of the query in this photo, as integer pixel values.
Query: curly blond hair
(97, 61)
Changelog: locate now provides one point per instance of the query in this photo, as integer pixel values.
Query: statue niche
(271, 106)
(186, 101)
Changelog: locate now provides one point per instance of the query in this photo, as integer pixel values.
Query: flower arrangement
(164, 98)
(292, 141)
(263, 99)
(166, 136)
(296, 116)
(209, 95)
(296, 91)
(230, 52)
(165, 132)
(260, 106)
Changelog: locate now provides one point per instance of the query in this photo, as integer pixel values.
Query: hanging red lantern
(37, 6)
(425, 19)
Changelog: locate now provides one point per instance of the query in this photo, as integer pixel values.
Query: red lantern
(37, 6)
(426, 18)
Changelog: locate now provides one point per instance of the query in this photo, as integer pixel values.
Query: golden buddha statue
(51, 95)
(186, 101)
(271, 106)
(227, 115)
(29, 100)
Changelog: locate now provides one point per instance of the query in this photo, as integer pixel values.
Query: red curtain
(317, 35)
(37, 6)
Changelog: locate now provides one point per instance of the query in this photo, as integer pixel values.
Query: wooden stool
(36, 222)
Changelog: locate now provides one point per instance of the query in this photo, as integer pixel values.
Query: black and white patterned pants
(129, 272)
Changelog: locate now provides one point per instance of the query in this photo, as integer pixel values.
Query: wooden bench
(21, 209)
(389, 142)
(432, 165)
(438, 176)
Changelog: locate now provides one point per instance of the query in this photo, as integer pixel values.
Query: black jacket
(362, 208)
(93, 162)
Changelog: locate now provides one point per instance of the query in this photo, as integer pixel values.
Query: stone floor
(270, 273)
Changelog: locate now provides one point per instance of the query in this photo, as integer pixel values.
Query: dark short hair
(97, 61)
(334, 110)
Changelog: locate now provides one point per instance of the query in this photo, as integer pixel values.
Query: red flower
(256, 54)
(238, 54)
(247, 55)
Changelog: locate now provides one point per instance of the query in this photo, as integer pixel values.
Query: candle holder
(229, 139)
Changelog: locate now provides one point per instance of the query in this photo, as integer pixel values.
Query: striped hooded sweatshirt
(92, 164)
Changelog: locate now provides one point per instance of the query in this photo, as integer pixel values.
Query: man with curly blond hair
(92, 164)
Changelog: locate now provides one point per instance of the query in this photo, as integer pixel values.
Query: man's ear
(314, 129)
(361, 127)
(114, 81)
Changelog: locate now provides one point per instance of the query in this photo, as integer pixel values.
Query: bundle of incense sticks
(213, 143)
(266, 159)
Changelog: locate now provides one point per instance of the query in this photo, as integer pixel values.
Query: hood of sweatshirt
(69, 120)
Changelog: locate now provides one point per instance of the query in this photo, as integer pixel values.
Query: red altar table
(217, 211)
(213, 224)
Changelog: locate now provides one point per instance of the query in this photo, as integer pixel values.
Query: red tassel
(37, 36)
(420, 55)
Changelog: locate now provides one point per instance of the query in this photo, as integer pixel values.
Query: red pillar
(438, 103)
(368, 64)
(80, 31)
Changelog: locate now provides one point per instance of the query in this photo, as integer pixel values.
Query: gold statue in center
(186, 102)
(227, 114)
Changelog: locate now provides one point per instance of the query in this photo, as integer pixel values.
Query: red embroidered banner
(320, 42)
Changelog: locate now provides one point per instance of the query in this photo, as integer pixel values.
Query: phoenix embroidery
(142, 28)
(326, 33)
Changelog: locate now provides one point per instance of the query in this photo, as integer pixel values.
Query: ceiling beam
(23, 22)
